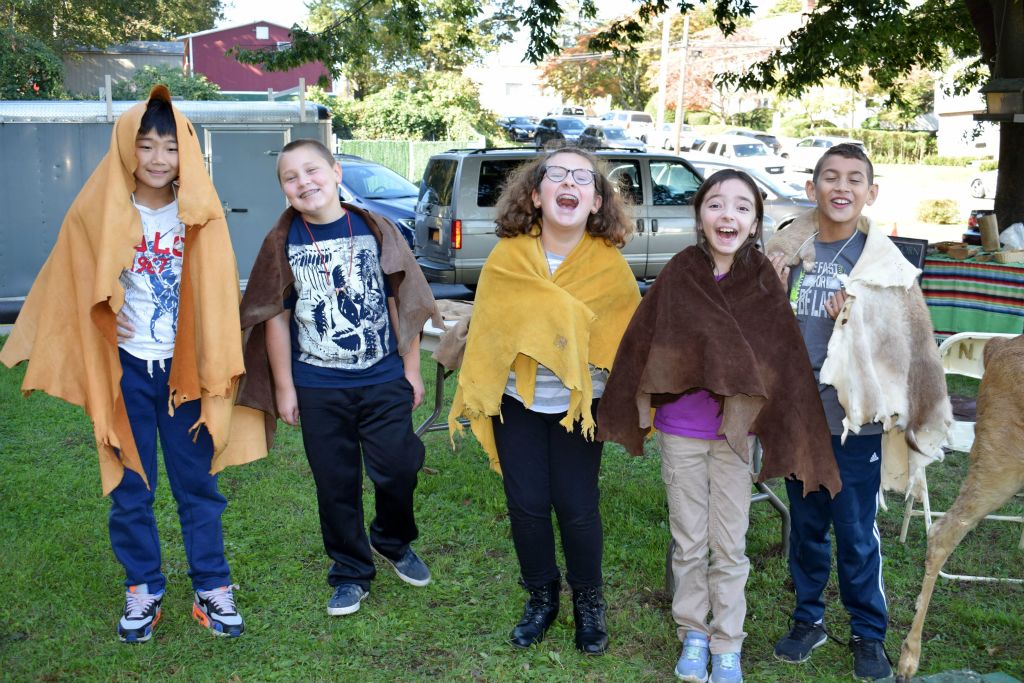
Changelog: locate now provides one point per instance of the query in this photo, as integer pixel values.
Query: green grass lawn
(61, 591)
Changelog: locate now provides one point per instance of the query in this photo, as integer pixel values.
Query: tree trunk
(1009, 191)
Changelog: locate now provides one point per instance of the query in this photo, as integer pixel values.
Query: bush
(890, 146)
(698, 118)
(936, 160)
(988, 165)
(188, 87)
(939, 211)
(29, 70)
(758, 119)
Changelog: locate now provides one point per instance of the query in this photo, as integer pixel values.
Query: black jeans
(545, 467)
(340, 429)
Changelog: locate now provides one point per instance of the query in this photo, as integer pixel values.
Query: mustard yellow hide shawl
(67, 329)
(523, 315)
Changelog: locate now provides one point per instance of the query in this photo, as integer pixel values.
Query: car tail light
(456, 234)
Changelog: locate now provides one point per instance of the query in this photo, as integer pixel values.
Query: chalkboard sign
(914, 249)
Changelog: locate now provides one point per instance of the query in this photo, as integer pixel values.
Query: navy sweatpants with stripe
(858, 547)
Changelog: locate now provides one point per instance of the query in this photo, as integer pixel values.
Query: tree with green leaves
(99, 23)
(29, 69)
(375, 44)
(581, 76)
(189, 87)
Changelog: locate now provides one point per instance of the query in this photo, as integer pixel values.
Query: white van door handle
(639, 225)
(654, 225)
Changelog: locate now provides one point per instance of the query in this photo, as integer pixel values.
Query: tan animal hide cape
(882, 358)
(738, 340)
(272, 278)
(67, 328)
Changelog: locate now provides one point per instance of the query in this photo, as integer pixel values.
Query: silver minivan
(455, 213)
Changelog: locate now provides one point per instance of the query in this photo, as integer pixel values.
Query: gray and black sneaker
(410, 568)
(215, 609)
(141, 614)
(795, 647)
(870, 662)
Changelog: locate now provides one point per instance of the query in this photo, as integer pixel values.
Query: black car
(766, 138)
(566, 128)
(518, 128)
(377, 188)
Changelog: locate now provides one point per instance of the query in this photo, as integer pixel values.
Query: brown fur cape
(737, 339)
(272, 278)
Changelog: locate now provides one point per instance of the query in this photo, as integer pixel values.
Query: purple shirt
(696, 415)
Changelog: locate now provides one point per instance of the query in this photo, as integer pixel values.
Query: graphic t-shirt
(809, 292)
(151, 284)
(341, 331)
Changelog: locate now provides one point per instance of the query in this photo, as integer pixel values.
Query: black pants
(340, 429)
(545, 467)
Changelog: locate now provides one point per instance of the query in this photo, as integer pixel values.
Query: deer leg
(980, 494)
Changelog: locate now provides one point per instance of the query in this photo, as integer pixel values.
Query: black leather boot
(588, 612)
(540, 612)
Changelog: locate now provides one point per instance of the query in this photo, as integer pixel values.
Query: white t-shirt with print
(151, 285)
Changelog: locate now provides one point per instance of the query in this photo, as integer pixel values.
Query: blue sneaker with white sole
(410, 568)
(693, 661)
(725, 668)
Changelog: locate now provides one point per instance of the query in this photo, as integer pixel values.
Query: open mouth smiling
(567, 201)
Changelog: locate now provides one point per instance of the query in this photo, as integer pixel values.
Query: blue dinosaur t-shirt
(341, 331)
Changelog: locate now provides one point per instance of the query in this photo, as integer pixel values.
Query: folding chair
(764, 493)
(961, 354)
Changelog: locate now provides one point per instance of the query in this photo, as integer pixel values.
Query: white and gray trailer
(49, 148)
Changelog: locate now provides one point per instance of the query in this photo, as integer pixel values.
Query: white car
(804, 155)
(743, 151)
(984, 184)
(688, 137)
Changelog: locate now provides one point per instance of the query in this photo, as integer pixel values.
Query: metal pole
(666, 23)
(681, 86)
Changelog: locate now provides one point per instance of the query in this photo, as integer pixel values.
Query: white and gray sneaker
(141, 613)
(215, 609)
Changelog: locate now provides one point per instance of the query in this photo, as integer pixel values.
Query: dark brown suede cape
(269, 284)
(737, 339)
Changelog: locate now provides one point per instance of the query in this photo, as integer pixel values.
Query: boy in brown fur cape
(867, 330)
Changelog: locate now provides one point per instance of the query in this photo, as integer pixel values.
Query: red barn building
(204, 54)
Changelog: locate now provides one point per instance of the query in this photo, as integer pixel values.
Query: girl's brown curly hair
(517, 215)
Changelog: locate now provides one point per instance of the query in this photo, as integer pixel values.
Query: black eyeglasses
(582, 176)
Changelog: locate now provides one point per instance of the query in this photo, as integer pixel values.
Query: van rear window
(439, 181)
(493, 174)
(643, 118)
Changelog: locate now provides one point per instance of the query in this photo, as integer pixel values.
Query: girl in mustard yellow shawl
(553, 301)
(146, 239)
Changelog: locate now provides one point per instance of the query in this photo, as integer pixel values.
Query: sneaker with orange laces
(215, 609)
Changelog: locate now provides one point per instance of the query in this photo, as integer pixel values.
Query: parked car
(639, 124)
(804, 155)
(456, 210)
(688, 137)
(782, 202)
(743, 151)
(567, 110)
(973, 233)
(566, 128)
(984, 184)
(375, 187)
(594, 137)
(767, 138)
(518, 128)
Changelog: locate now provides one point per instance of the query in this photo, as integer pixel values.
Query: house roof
(231, 28)
(149, 47)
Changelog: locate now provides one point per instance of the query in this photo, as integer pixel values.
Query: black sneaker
(796, 646)
(870, 662)
(141, 613)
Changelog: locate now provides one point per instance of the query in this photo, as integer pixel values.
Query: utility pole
(666, 23)
(678, 130)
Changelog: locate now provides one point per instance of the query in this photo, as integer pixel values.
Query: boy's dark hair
(713, 180)
(847, 150)
(317, 146)
(517, 215)
(159, 117)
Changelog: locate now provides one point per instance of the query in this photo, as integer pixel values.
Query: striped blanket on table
(973, 296)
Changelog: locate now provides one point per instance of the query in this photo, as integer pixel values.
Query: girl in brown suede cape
(715, 350)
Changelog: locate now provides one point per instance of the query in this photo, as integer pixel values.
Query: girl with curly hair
(553, 300)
